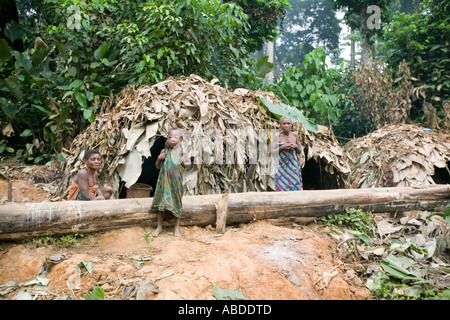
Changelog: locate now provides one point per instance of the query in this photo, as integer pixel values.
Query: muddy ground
(262, 260)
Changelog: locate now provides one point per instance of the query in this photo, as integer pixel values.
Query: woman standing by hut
(286, 146)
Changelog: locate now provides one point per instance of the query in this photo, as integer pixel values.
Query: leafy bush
(354, 219)
(90, 50)
(387, 288)
(37, 121)
(311, 88)
(422, 40)
(62, 241)
(352, 123)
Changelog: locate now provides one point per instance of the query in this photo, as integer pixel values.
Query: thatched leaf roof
(398, 155)
(220, 127)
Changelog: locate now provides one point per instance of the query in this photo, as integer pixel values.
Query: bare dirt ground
(262, 260)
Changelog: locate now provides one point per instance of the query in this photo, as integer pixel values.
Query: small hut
(226, 134)
(400, 155)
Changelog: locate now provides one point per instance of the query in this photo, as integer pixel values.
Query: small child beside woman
(169, 188)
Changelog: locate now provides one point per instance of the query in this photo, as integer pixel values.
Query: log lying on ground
(21, 221)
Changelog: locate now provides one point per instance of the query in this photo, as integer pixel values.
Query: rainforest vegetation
(61, 59)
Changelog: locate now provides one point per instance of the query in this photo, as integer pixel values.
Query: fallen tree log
(25, 220)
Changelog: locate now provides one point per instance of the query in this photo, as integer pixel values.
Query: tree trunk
(21, 221)
(366, 47)
(366, 51)
(352, 50)
(270, 54)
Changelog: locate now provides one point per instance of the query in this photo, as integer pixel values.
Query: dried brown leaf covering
(398, 155)
(382, 101)
(212, 117)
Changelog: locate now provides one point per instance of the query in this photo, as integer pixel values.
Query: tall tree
(31, 17)
(366, 16)
(406, 6)
(10, 29)
(308, 24)
(422, 40)
(263, 18)
(88, 50)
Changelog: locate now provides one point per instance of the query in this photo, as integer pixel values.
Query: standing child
(84, 185)
(169, 188)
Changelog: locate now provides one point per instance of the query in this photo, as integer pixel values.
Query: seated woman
(84, 185)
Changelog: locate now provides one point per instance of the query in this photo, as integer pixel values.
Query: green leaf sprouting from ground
(96, 294)
(395, 267)
(446, 214)
(165, 275)
(88, 266)
(224, 294)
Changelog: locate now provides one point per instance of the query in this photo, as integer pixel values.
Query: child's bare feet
(156, 232)
(176, 228)
(160, 225)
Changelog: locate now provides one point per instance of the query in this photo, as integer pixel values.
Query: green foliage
(263, 18)
(311, 88)
(443, 295)
(224, 294)
(398, 276)
(62, 242)
(356, 10)
(86, 265)
(4, 147)
(387, 288)
(394, 282)
(253, 76)
(283, 110)
(148, 237)
(79, 53)
(92, 49)
(393, 266)
(96, 294)
(120, 43)
(422, 40)
(359, 15)
(308, 24)
(354, 219)
(352, 123)
(446, 213)
(406, 6)
(29, 104)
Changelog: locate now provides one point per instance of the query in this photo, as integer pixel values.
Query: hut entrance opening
(442, 175)
(149, 174)
(314, 175)
(316, 178)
